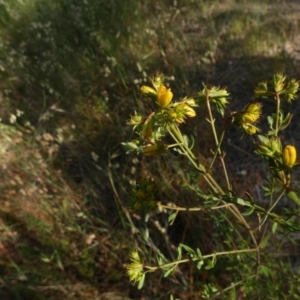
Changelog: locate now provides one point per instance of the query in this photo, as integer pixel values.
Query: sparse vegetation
(70, 76)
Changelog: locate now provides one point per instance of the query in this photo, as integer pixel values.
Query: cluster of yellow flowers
(135, 270)
(248, 117)
(176, 111)
(153, 127)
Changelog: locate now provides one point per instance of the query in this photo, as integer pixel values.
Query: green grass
(75, 68)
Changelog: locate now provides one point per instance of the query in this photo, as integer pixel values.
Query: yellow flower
(249, 128)
(189, 112)
(164, 96)
(289, 156)
(175, 116)
(135, 270)
(247, 117)
(251, 113)
(181, 111)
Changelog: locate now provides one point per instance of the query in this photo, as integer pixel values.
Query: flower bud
(291, 90)
(261, 90)
(189, 112)
(148, 91)
(289, 156)
(249, 118)
(223, 101)
(175, 116)
(147, 129)
(164, 96)
(155, 149)
(157, 81)
(270, 147)
(249, 129)
(190, 101)
(135, 120)
(251, 113)
(278, 82)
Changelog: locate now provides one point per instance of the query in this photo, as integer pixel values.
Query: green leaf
(263, 139)
(131, 146)
(211, 263)
(168, 272)
(233, 294)
(249, 197)
(264, 241)
(214, 259)
(248, 212)
(285, 123)
(178, 150)
(141, 282)
(160, 258)
(294, 197)
(270, 121)
(274, 227)
(236, 200)
(200, 264)
(265, 270)
(192, 143)
(240, 201)
(189, 141)
(271, 132)
(172, 217)
(187, 249)
(179, 255)
(199, 252)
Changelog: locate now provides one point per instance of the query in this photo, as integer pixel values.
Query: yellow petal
(189, 112)
(164, 96)
(289, 156)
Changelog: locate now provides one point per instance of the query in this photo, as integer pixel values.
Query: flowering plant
(254, 224)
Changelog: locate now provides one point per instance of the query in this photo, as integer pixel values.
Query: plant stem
(176, 135)
(233, 285)
(277, 112)
(167, 265)
(187, 209)
(212, 123)
(272, 206)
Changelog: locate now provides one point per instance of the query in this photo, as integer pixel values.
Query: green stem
(187, 209)
(218, 144)
(207, 176)
(277, 112)
(167, 265)
(233, 208)
(232, 286)
(272, 206)
(176, 135)
(218, 150)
